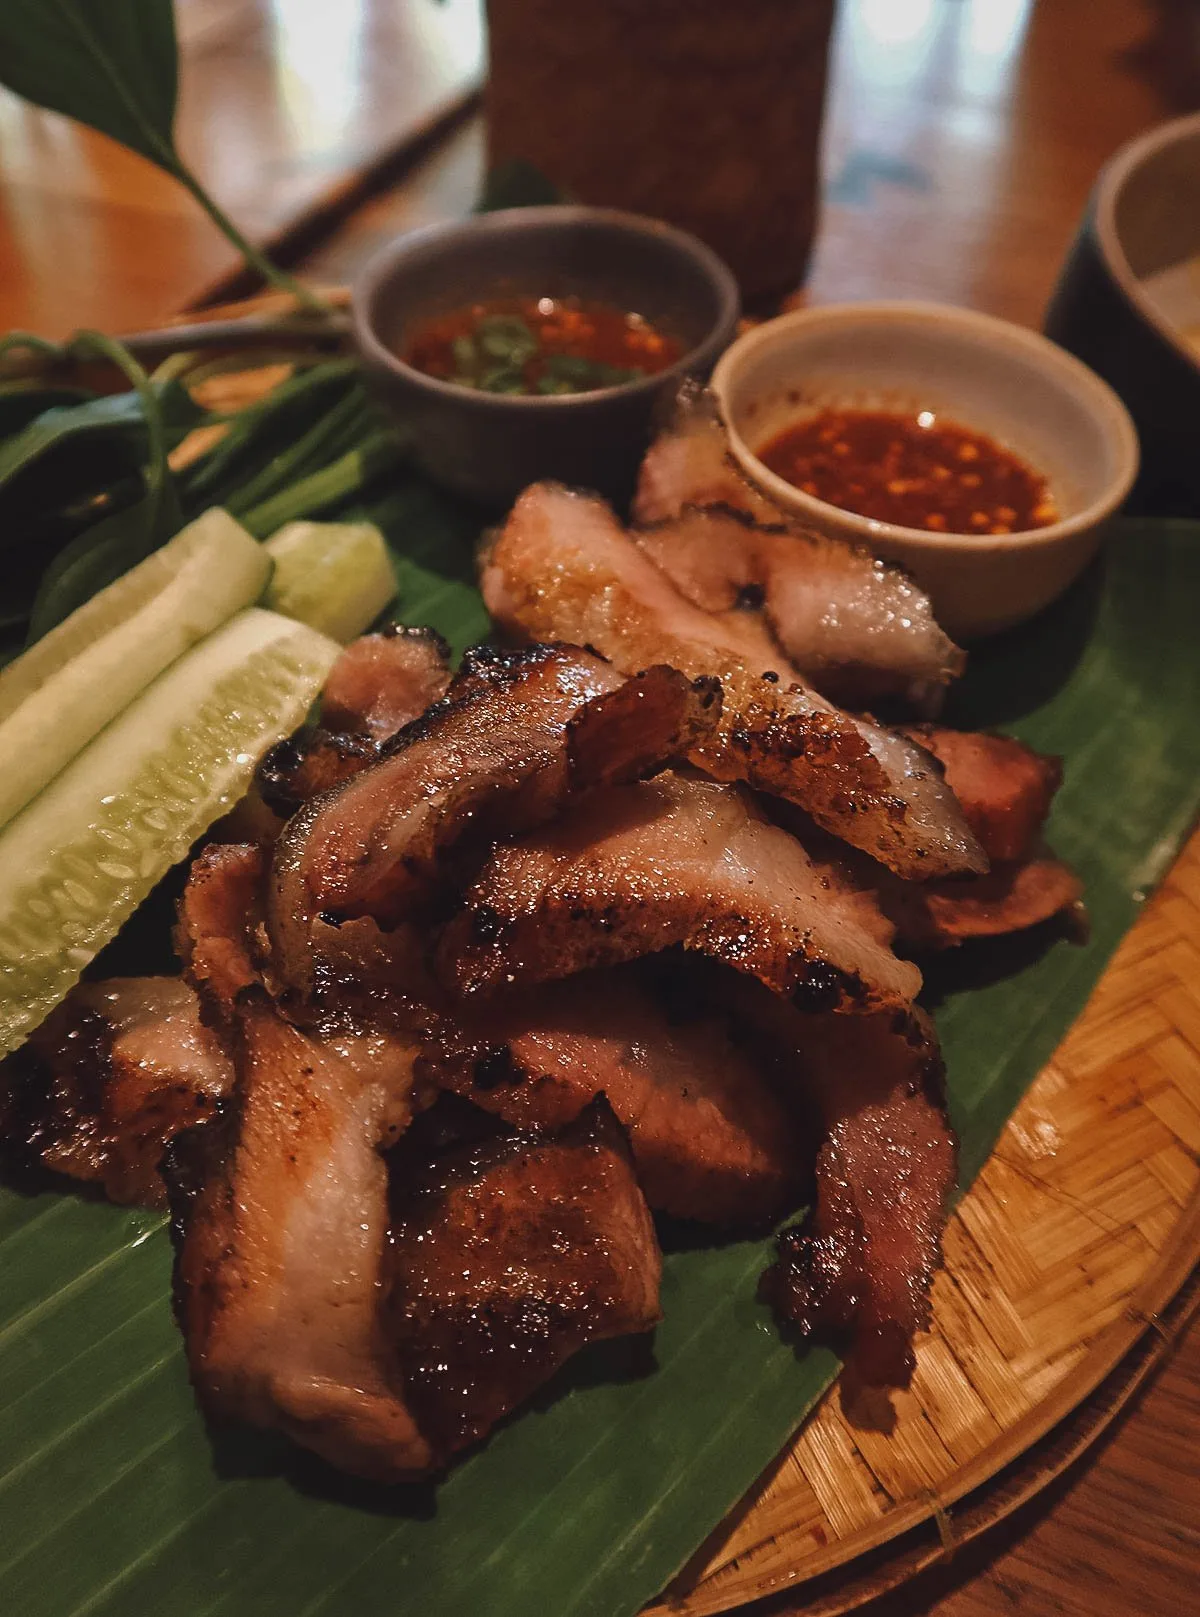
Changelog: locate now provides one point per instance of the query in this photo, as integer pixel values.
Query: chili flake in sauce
(541, 345)
(916, 471)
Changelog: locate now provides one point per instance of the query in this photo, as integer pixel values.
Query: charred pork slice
(918, 916)
(382, 682)
(852, 623)
(506, 1259)
(564, 568)
(281, 1242)
(710, 1139)
(677, 860)
(1009, 898)
(308, 763)
(219, 929)
(112, 1076)
(690, 463)
(517, 733)
(1004, 787)
(859, 1268)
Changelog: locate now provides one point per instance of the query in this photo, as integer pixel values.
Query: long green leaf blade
(113, 64)
(107, 63)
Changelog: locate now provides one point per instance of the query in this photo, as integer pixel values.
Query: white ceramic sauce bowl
(986, 374)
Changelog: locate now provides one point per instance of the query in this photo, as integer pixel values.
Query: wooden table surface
(962, 138)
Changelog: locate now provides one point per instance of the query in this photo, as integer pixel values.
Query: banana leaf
(116, 1501)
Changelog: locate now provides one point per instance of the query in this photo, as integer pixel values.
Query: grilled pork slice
(1009, 898)
(312, 761)
(690, 463)
(517, 733)
(853, 624)
(564, 568)
(1004, 787)
(381, 682)
(281, 1246)
(112, 1076)
(859, 1267)
(677, 860)
(219, 930)
(506, 1259)
(710, 1138)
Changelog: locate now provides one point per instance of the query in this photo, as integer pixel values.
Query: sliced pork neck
(690, 463)
(1004, 787)
(676, 860)
(117, 1070)
(219, 930)
(859, 1268)
(382, 682)
(564, 568)
(281, 1247)
(1010, 898)
(507, 1258)
(710, 1138)
(853, 624)
(516, 735)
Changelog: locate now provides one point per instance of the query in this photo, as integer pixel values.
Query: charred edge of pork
(277, 775)
(484, 669)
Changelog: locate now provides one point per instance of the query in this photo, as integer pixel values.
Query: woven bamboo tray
(1066, 1276)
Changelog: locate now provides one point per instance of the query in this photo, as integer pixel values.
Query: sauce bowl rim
(381, 266)
(1113, 178)
(1042, 357)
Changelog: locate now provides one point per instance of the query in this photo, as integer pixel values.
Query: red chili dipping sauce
(541, 345)
(917, 471)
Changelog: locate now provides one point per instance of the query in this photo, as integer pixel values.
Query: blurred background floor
(962, 139)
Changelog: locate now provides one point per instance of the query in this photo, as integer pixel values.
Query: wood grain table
(961, 141)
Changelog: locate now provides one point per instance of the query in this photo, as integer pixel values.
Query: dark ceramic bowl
(488, 446)
(1144, 216)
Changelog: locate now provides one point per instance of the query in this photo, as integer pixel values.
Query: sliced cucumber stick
(334, 576)
(79, 859)
(67, 687)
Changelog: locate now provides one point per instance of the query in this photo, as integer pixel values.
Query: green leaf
(517, 184)
(99, 556)
(118, 416)
(115, 426)
(113, 64)
(21, 403)
(266, 429)
(125, 536)
(108, 63)
(115, 1500)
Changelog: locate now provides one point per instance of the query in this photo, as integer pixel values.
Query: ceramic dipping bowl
(985, 374)
(1135, 262)
(488, 446)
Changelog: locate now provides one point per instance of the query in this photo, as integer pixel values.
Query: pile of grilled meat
(495, 966)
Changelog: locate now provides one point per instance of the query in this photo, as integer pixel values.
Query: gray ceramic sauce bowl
(1144, 216)
(487, 446)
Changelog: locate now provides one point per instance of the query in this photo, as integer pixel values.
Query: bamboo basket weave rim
(940, 1535)
(1176, 1276)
